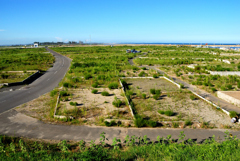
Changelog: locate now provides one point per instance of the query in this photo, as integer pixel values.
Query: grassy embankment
(132, 148)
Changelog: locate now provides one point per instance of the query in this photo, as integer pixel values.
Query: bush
(67, 85)
(181, 85)
(155, 76)
(158, 91)
(156, 96)
(113, 85)
(213, 89)
(188, 122)
(53, 93)
(169, 113)
(144, 68)
(229, 86)
(141, 74)
(161, 112)
(233, 114)
(192, 97)
(95, 85)
(108, 124)
(105, 93)
(117, 102)
(175, 124)
(152, 91)
(139, 121)
(144, 96)
(88, 76)
(94, 91)
(238, 84)
(151, 123)
(64, 93)
(73, 103)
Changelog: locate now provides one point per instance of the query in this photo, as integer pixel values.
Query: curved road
(44, 84)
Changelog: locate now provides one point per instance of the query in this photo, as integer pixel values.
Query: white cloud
(2, 30)
(59, 39)
(66, 40)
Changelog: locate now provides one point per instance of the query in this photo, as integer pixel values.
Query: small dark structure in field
(132, 51)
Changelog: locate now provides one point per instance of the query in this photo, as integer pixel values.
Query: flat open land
(175, 100)
(91, 106)
(234, 94)
(145, 84)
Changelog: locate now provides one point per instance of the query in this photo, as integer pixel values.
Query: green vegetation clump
(64, 93)
(73, 103)
(156, 96)
(155, 76)
(111, 123)
(117, 102)
(167, 112)
(144, 96)
(88, 76)
(152, 91)
(94, 91)
(95, 85)
(53, 92)
(113, 85)
(233, 114)
(105, 93)
(188, 122)
(67, 85)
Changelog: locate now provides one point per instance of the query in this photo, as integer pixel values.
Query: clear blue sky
(117, 21)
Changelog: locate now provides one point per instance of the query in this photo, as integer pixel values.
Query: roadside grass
(130, 148)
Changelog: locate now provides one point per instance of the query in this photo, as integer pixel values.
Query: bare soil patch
(177, 101)
(144, 85)
(93, 106)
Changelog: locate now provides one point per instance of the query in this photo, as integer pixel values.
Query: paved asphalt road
(44, 84)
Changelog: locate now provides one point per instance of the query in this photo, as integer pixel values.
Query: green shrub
(158, 91)
(151, 123)
(144, 96)
(156, 96)
(105, 93)
(141, 74)
(169, 113)
(161, 112)
(188, 122)
(181, 85)
(113, 85)
(229, 86)
(155, 76)
(95, 85)
(144, 68)
(73, 103)
(117, 102)
(107, 123)
(238, 84)
(94, 91)
(53, 93)
(213, 89)
(139, 121)
(233, 114)
(64, 93)
(175, 124)
(67, 85)
(87, 76)
(192, 97)
(152, 91)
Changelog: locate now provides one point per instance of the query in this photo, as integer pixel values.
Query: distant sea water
(186, 43)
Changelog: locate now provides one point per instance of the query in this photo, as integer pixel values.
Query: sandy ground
(234, 94)
(96, 104)
(181, 104)
(144, 85)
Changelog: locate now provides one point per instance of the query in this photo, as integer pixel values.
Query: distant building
(36, 44)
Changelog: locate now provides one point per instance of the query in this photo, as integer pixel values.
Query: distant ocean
(186, 43)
